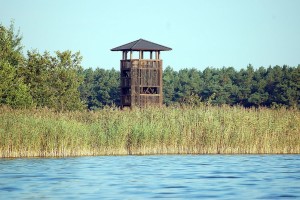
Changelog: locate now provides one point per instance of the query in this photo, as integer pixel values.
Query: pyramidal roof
(141, 45)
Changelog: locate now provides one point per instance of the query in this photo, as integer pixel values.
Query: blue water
(145, 177)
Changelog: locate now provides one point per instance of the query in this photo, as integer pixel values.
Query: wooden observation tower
(141, 78)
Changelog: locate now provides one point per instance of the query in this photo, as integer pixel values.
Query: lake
(145, 177)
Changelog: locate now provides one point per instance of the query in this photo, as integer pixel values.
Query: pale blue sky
(201, 33)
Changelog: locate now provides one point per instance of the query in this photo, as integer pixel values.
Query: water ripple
(144, 177)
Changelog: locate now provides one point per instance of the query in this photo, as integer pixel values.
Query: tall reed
(166, 130)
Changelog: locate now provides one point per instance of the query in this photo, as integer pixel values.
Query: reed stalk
(166, 130)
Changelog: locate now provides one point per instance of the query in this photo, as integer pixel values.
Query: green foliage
(272, 87)
(170, 79)
(39, 79)
(248, 87)
(13, 91)
(100, 88)
(59, 82)
(10, 45)
(53, 80)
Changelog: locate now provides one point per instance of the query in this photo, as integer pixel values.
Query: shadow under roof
(141, 45)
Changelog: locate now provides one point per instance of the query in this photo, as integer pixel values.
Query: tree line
(60, 82)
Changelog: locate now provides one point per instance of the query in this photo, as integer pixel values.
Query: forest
(59, 81)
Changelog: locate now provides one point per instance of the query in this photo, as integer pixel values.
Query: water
(144, 177)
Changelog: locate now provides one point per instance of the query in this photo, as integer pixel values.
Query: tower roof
(141, 45)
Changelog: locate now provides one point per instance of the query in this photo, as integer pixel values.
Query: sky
(201, 33)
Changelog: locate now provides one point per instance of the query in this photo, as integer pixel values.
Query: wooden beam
(161, 84)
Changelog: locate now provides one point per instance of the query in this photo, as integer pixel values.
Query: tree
(100, 88)
(293, 75)
(258, 96)
(53, 80)
(65, 80)
(245, 82)
(188, 83)
(10, 45)
(211, 85)
(169, 85)
(13, 91)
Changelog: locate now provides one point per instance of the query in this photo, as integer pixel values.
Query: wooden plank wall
(138, 75)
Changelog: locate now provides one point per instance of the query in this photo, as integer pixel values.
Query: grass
(167, 130)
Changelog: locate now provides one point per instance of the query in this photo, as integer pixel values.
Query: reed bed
(166, 130)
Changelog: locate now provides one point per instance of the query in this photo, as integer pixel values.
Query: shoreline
(164, 154)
